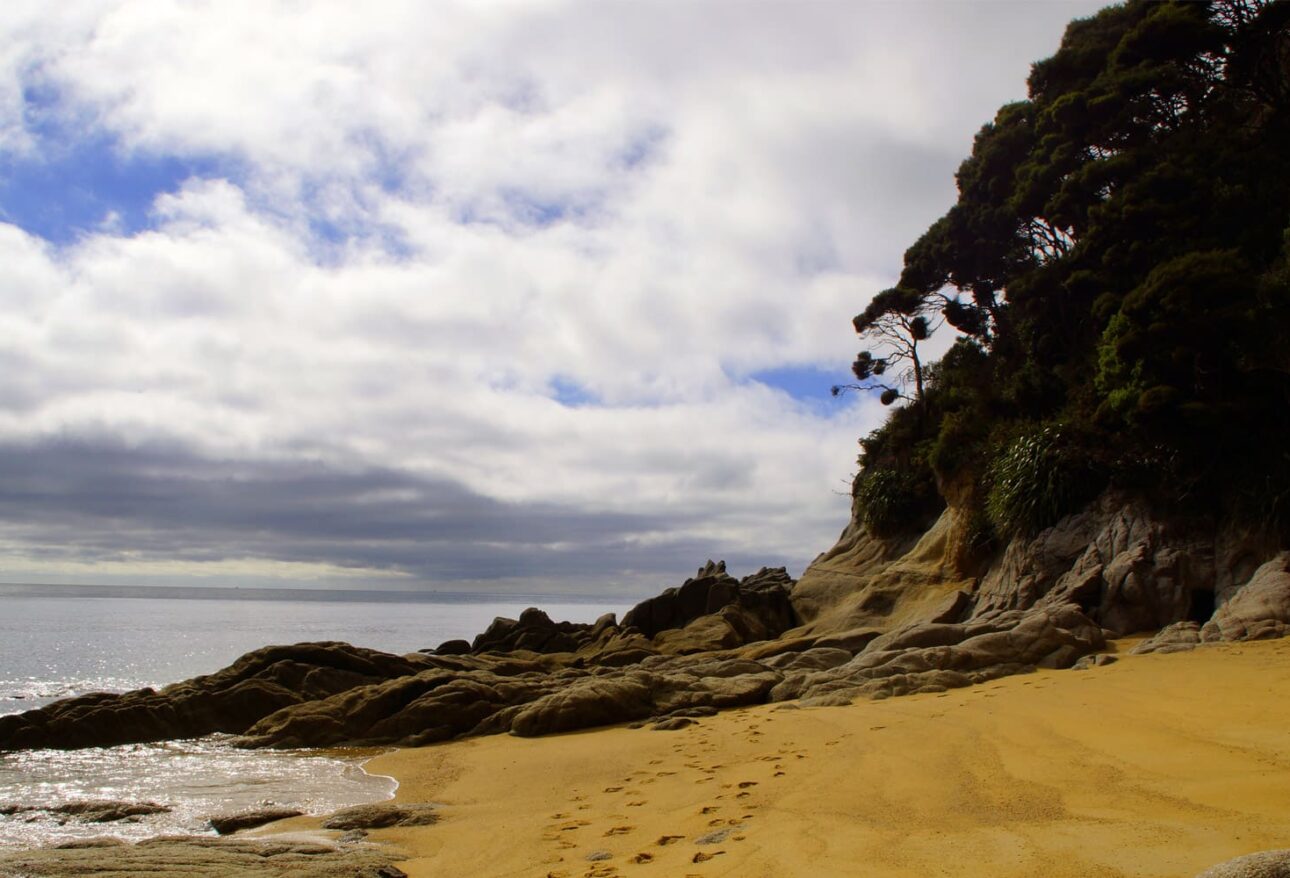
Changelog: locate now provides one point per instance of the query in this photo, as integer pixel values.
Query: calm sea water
(60, 641)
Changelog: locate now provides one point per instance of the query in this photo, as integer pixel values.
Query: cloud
(512, 269)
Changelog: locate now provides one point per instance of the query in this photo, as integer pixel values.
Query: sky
(525, 295)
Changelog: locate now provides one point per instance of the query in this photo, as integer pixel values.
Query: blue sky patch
(570, 393)
(803, 383)
(77, 180)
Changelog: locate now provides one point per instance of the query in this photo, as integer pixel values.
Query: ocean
(60, 641)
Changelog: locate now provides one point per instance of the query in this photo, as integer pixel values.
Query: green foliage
(1118, 261)
(1037, 478)
(890, 501)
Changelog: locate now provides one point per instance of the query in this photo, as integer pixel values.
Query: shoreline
(1156, 765)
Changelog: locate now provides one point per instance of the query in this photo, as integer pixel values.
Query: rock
(87, 843)
(927, 657)
(1094, 661)
(204, 857)
(672, 724)
(226, 824)
(1259, 609)
(1265, 864)
(230, 700)
(94, 811)
(382, 815)
(1178, 637)
(590, 702)
(453, 647)
(729, 612)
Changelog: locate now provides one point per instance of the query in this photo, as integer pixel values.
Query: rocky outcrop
(867, 583)
(1259, 610)
(1178, 637)
(92, 811)
(381, 815)
(185, 857)
(226, 824)
(231, 700)
(1130, 567)
(910, 624)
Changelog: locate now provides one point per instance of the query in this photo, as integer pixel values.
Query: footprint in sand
(613, 789)
(703, 857)
(619, 830)
(636, 804)
(778, 774)
(745, 784)
(643, 858)
(708, 809)
(664, 840)
(743, 795)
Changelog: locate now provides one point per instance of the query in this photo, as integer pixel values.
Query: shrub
(1039, 477)
(889, 500)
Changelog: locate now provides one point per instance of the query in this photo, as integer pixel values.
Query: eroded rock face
(1258, 610)
(184, 857)
(1129, 567)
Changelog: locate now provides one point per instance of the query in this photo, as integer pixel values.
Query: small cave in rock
(1200, 606)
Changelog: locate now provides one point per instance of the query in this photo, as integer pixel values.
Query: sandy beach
(1158, 765)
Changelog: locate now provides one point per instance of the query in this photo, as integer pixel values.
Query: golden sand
(1153, 766)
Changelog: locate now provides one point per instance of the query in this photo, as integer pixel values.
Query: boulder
(1178, 637)
(381, 815)
(1259, 609)
(93, 811)
(226, 824)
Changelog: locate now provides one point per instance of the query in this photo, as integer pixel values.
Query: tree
(895, 321)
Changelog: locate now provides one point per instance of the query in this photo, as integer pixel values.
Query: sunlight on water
(58, 642)
(196, 779)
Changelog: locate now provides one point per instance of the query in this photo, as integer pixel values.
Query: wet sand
(1153, 766)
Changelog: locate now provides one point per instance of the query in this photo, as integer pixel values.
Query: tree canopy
(1117, 266)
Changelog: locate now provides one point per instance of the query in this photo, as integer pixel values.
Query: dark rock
(226, 824)
(758, 608)
(382, 815)
(230, 700)
(93, 811)
(672, 724)
(453, 647)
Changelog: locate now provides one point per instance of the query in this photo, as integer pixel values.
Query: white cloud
(652, 201)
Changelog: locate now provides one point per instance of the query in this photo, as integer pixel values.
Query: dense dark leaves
(1119, 257)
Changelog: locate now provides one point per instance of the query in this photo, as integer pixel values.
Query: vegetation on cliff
(1117, 267)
